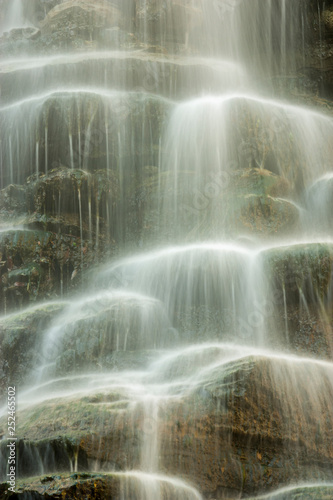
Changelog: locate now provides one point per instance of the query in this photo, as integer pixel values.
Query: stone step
(249, 413)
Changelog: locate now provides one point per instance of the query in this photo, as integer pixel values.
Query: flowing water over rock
(166, 248)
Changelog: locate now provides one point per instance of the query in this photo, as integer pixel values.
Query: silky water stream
(191, 357)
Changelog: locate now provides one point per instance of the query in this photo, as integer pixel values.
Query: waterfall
(166, 249)
(14, 16)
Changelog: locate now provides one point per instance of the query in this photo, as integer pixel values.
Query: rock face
(20, 336)
(318, 72)
(128, 125)
(40, 265)
(84, 13)
(110, 486)
(71, 487)
(224, 437)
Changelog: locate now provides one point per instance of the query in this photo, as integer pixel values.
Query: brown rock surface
(243, 429)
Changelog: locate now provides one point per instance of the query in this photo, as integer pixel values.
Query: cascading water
(14, 16)
(166, 250)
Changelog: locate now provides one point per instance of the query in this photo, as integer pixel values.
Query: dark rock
(68, 487)
(83, 19)
(247, 430)
(20, 338)
(304, 269)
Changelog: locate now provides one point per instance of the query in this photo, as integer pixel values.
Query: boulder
(168, 24)
(242, 428)
(94, 331)
(231, 203)
(80, 19)
(306, 492)
(20, 338)
(39, 265)
(133, 485)
(263, 215)
(304, 271)
(13, 199)
(67, 487)
(327, 17)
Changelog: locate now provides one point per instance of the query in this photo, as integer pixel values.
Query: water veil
(166, 249)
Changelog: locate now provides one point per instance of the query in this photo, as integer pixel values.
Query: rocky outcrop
(69, 487)
(243, 428)
(86, 171)
(251, 202)
(76, 21)
(39, 265)
(20, 340)
(317, 75)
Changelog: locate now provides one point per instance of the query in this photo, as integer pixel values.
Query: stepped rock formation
(166, 249)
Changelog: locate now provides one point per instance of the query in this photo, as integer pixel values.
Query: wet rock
(35, 459)
(94, 486)
(39, 265)
(306, 492)
(93, 335)
(114, 38)
(85, 128)
(29, 33)
(304, 271)
(19, 41)
(74, 20)
(101, 426)
(227, 204)
(320, 51)
(309, 331)
(133, 70)
(327, 17)
(263, 449)
(68, 487)
(168, 24)
(133, 360)
(319, 204)
(259, 182)
(263, 215)
(76, 203)
(20, 339)
(67, 224)
(71, 191)
(298, 309)
(12, 201)
(243, 428)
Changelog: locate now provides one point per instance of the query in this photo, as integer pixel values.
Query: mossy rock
(306, 492)
(67, 487)
(37, 265)
(260, 182)
(263, 215)
(249, 413)
(98, 331)
(301, 267)
(327, 17)
(13, 198)
(66, 191)
(241, 202)
(20, 338)
(80, 18)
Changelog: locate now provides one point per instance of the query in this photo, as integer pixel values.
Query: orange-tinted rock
(243, 429)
